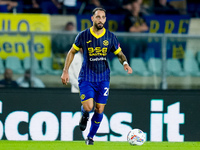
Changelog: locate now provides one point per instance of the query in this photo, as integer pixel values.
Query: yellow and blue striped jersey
(95, 50)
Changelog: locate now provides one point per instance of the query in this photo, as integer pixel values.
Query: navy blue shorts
(99, 91)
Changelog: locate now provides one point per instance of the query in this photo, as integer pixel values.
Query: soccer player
(94, 76)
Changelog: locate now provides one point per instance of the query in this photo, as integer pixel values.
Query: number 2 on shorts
(106, 91)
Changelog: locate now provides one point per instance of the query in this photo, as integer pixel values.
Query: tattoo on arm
(121, 57)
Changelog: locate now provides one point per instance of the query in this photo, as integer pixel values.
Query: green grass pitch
(80, 145)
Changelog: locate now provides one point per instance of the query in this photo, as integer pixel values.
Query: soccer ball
(136, 137)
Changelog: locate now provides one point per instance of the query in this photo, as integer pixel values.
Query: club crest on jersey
(83, 96)
(105, 43)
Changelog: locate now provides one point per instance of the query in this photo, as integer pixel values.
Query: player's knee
(88, 108)
(88, 105)
(99, 110)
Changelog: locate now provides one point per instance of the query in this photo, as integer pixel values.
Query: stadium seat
(155, 65)
(2, 68)
(139, 67)
(189, 54)
(117, 68)
(191, 67)
(27, 65)
(47, 63)
(174, 67)
(14, 64)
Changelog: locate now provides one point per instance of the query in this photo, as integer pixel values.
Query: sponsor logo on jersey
(97, 51)
(89, 41)
(97, 59)
(97, 122)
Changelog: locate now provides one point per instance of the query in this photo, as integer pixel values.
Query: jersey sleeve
(116, 46)
(77, 43)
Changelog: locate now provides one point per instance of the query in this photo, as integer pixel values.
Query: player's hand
(128, 69)
(65, 78)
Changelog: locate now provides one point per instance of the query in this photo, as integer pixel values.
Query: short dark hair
(98, 8)
(70, 23)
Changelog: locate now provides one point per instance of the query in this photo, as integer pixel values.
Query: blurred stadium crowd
(148, 7)
(139, 51)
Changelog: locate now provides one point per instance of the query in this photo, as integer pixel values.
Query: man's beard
(99, 27)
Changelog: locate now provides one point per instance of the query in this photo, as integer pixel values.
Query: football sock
(84, 112)
(95, 123)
